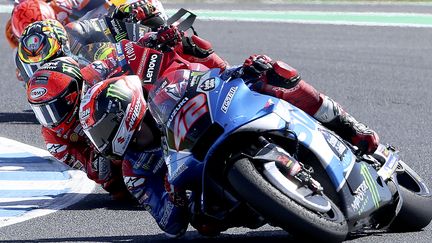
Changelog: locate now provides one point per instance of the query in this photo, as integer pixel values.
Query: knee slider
(196, 46)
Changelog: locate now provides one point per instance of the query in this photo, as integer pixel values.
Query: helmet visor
(102, 132)
(52, 113)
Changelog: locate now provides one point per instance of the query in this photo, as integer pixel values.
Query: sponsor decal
(180, 170)
(115, 92)
(159, 165)
(103, 52)
(227, 101)
(208, 85)
(164, 83)
(174, 112)
(268, 104)
(167, 213)
(187, 116)
(339, 148)
(121, 140)
(141, 64)
(42, 79)
(132, 116)
(172, 91)
(103, 25)
(364, 171)
(119, 34)
(153, 68)
(33, 42)
(99, 67)
(49, 66)
(130, 52)
(56, 148)
(71, 69)
(133, 182)
(37, 93)
(195, 77)
(360, 198)
(120, 54)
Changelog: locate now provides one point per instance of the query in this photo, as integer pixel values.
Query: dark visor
(103, 132)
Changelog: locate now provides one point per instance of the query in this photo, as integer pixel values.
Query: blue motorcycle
(249, 159)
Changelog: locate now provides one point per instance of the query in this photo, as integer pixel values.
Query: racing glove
(169, 36)
(256, 65)
(134, 12)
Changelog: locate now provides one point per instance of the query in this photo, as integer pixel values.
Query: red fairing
(142, 61)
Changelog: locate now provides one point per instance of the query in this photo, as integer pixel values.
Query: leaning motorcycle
(233, 148)
(248, 159)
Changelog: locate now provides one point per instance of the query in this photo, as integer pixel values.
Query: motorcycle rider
(26, 12)
(53, 93)
(280, 80)
(42, 43)
(29, 11)
(150, 13)
(113, 115)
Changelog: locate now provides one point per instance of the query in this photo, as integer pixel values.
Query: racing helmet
(110, 113)
(43, 41)
(29, 11)
(54, 93)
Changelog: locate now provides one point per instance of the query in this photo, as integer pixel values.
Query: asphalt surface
(382, 75)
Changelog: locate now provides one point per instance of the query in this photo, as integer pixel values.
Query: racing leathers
(145, 174)
(66, 11)
(73, 148)
(88, 42)
(280, 80)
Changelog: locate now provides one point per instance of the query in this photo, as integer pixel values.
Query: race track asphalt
(382, 75)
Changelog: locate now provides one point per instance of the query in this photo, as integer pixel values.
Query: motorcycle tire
(281, 211)
(416, 210)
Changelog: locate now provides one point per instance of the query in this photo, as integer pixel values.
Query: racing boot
(331, 115)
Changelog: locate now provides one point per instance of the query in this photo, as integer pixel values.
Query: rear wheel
(416, 210)
(282, 211)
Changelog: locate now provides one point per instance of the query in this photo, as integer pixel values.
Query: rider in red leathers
(53, 93)
(26, 12)
(280, 80)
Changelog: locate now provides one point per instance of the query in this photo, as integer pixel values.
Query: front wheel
(282, 211)
(416, 210)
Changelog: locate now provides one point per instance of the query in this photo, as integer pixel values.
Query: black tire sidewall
(280, 210)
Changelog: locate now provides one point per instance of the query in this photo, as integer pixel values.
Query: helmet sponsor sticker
(37, 93)
(33, 42)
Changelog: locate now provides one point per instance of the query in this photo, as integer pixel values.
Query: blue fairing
(233, 106)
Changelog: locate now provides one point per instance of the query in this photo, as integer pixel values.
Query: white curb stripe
(33, 183)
